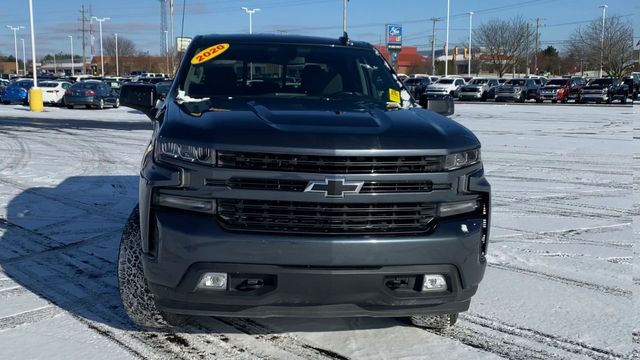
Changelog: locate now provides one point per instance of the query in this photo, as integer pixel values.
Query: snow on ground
(558, 285)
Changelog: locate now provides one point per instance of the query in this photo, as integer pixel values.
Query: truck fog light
(455, 208)
(213, 281)
(434, 282)
(185, 203)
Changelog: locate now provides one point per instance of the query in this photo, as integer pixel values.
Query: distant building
(409, 60)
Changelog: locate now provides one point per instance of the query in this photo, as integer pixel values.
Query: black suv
(335, 195)
(604, 90)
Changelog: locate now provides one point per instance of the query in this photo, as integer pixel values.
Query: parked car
(561, 89)
(17, 92)
(448, 85)
(516, 90)
(417, 85)
(3, 84)
(604, 90)
(478, 89)
(53, 91)
(633, 83)
(312, 201)
(91, 94)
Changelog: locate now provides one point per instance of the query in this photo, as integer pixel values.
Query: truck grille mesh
(326, 218)
(369, 187)
(330, 164)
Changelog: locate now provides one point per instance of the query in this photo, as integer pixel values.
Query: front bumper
(470, 95)
(315, 275)
(310, 275)
(594, 97)
(508, 96)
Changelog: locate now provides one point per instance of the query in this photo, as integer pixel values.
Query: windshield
(478, 81)
(48, 84)
(412, 82)
(601, 82)
(516, 82)
(558, 82)
(445, 81)
(289, 71)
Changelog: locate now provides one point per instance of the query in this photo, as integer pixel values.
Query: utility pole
(604, 10)
(84, 38)
(469, 52)
(15, 42)
(535, 59)
(433, 46)
(166, 36)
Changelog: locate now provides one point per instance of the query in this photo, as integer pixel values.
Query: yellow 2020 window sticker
(209, 53)
(394, 95)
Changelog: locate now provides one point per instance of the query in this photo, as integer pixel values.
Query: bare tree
(507, 42)
(126, 47)
(617, 51)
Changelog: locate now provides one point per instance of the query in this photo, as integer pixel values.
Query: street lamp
(73, 72)
(100, 21)
(24, 60)
(35, 93)
(250, 12)
(166, 41)
(604, 10)
(15, 42)
(117, 61)
(446, 44)
(469, 52)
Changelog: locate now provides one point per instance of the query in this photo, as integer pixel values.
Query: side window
(458, 82)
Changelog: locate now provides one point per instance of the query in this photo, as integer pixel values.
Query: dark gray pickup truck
(296, 176)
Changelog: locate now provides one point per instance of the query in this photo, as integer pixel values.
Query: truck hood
(278, 126)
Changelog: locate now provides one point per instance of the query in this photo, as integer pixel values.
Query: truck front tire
(135, 294)
(435, 322)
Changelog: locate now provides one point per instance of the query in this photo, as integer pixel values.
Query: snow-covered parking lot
(559, 284)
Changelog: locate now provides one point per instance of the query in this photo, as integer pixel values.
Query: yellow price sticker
(394, 95)
(209, 53)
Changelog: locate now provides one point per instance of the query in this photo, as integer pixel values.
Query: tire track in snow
(611, 290)
(29, 317)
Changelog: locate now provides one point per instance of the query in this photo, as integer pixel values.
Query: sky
(139, 20)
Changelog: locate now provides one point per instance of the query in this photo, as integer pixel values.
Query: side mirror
(443, 105)
(141, 97)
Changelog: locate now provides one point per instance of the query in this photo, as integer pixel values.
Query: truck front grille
(369, 187)
(330, 164)
(326, 218)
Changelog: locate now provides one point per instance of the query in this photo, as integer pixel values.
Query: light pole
(15, 42)
(35, 93)
(100, 21)
(73, 71)
(344, 18)
(469, 52)
(24, 60)
(250, 12)
(166, 50)
(446, 44)
(117, 60)
(433, 45)
(604, 10)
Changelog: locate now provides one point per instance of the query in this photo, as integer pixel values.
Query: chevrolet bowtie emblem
(334, 187)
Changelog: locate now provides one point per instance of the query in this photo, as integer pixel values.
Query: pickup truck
(561, 89)
(338, 195)
(478, 89)
(446, 86)
(604, 90)
(517, 90)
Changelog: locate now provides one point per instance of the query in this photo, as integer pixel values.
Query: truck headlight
(460, 160)
(168, 149)
(456, 208)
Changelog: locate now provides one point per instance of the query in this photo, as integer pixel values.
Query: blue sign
(394, 34)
